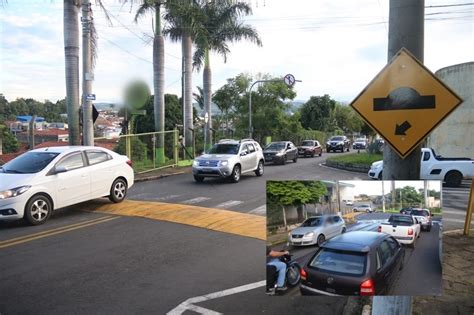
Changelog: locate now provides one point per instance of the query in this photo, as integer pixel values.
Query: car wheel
(343, 230)
(312, 155)
(235, 176)
(198, 179)
(380, 176)
(118, 191)
(38, 210)
(453, 179)
(428, 228)
(321, 153)
(292, 276)
(295, 159)
(283, 162)
(412, 245)
(327, 151)
(259, 171)
(321, 239)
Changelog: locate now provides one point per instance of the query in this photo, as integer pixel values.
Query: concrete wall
(454, 137)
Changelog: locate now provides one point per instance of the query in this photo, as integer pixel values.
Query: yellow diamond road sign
(405, 102)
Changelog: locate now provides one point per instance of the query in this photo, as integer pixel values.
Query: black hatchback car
(355, 263)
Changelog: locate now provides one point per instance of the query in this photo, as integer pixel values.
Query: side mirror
(243, 153)
(60, 169)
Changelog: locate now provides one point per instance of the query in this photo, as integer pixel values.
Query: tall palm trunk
(207, 82)
(71, 56)
(188, 94)
(158, 84)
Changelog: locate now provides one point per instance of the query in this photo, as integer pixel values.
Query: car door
(337, 224)
(253, 156)
(329, 227)
(245, 158)
(384, 273)
(102, 167)
(72, 184)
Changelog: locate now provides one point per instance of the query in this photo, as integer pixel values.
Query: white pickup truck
(435, 167)
(402, 227)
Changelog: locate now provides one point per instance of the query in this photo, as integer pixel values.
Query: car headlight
(224, 163)
(14, 192)
(280, 153)
(340, 143)
(310, 234)
(195, 163)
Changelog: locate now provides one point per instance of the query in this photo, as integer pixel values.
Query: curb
(350, 168)
(342, 169)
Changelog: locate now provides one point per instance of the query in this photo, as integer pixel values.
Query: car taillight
(303, 274)
(367, 287)
(379, 229)
(410, 231)
(129, 162)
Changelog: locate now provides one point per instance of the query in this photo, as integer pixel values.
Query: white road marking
(196, 200)
(262, 210)
(228, 204)
(167, 197)
(188, 305)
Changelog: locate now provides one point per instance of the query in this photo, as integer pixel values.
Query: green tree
(9, 141)
(316, 113)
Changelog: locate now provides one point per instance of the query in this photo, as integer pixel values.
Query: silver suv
(230, 159)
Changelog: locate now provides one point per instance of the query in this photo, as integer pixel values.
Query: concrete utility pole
(383, 196)
(87, 75)
(406, 29)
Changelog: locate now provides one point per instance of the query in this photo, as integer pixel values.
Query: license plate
(269, 158)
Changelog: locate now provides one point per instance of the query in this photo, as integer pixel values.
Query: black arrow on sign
(401, 129)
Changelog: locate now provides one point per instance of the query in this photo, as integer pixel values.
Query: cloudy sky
(334, 47)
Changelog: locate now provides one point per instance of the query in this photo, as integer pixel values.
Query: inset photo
(358, 238)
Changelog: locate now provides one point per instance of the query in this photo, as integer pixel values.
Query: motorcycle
(292, 274)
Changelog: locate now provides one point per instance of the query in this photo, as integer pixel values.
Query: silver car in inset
(317, 229)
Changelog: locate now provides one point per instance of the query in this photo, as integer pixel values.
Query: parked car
(363, 208)
(280, 152)
(310, 148)
(424, 218)
(404, 228)
(435, 167)
(39, 181)
(338, 143)
(360, 143)
(354, 263)
(349, 202)
(317, 229)
(230, 159)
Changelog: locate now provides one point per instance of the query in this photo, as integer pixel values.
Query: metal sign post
(470, 209)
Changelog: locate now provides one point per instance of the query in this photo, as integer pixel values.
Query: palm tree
(221, 26)
(183, 17)
(71, 55)
(158, 71)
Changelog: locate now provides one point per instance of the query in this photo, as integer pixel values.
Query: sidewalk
(458, 279)
(165, 172)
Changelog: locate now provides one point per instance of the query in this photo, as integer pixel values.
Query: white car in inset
(39, 181)
(316, 230)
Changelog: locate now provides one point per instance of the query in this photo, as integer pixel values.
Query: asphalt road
(82, 262)
(246, 196)
(422, 273)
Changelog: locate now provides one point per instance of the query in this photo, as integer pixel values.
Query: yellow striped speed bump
(243, 224)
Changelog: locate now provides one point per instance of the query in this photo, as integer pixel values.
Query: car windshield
(30, 162)
(276, 146)
(307, 143)
(360, 140)
(400, 220)
(224, 149)
(424, 213)
(312, 222)
(337, 261)
(337, 139)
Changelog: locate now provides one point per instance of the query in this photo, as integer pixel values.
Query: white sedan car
(39, 181)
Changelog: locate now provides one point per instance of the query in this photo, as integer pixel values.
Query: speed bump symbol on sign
(405, 102)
